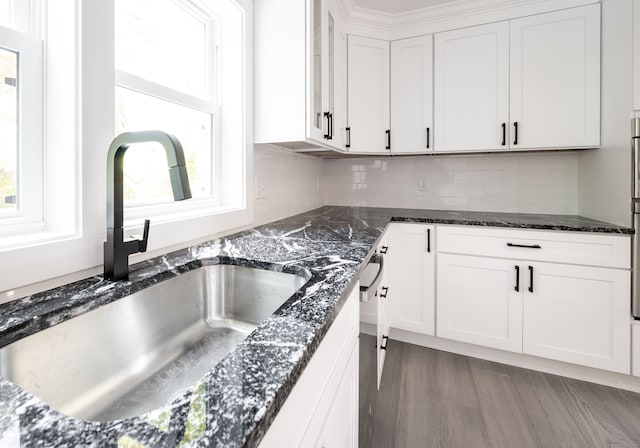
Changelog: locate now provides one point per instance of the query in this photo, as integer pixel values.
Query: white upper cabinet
(528, 83)
(472, 88)
(368, 95)
(299, 74)
(412, 95)
(555, 79)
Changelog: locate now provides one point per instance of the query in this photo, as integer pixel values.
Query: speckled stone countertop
(234, 404)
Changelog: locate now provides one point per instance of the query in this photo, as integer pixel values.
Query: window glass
(8, 130)
(146, 178)
(162, 42)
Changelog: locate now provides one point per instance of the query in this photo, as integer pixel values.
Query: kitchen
(329, 150)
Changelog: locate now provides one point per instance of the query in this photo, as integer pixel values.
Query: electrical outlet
(261, 187)
(423, 184)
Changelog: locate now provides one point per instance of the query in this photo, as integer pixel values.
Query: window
(21, 147)
(165, 79)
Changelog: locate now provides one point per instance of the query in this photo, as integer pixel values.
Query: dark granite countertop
(234, 404)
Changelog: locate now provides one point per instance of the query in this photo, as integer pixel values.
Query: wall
(526, 183)
(292, 183)
(605, 174)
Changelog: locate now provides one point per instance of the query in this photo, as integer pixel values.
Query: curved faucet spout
(116, 250)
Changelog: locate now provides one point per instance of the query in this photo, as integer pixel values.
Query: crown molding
(457, 9)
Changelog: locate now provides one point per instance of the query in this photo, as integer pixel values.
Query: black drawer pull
(428, 240)
(527, 246)
(428, 138)
(530, 278)
(385, 342)
(385, 291)
(504, 134)
(384, 249)
(515, 128)
(388, 132)
(517, 288)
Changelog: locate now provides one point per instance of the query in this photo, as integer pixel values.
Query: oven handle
(367, 292)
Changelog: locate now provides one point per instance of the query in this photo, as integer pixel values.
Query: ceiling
(398, 6)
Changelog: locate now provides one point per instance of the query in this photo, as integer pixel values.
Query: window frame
(168, 211)
(28, 216)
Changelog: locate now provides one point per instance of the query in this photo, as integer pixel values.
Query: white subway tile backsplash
(527, 183)
(293, 183)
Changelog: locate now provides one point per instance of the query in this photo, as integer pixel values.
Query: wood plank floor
(430, 398)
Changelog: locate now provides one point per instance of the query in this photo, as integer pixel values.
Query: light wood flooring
(430, 398)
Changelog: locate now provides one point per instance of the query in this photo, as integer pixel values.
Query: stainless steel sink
(137, 353)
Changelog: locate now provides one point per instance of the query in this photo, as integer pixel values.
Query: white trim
(30, 151)
(589, 374)
(141, 85)
(443, 17)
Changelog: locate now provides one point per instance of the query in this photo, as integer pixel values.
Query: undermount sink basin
(137, 353)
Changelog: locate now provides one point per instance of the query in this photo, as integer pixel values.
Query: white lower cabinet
(635, 346)
(322, 408)
(578, 314)
(561, 311)
(479, 301)
(410, 270)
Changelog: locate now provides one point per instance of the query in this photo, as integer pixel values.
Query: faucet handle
(142, 244)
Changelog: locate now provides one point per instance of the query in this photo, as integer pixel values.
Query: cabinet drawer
(537, 245)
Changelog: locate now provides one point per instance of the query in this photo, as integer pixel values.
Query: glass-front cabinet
(328, 81)
(300, 74)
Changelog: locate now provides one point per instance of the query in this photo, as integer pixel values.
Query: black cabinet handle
(348, 145)
(330, 126)
(327, 115)
(515, 137)
(384, 249)
(527, 246)
(385, 342)
(517, 288)
(428, 240)
(504, 134)
(385, 292)
(388, 132)
(428, 137)
(530, 278)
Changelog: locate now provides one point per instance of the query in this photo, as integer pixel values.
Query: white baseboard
(589, 374)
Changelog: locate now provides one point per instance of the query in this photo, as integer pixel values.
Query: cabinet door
(412, 95)
(410, 266)
(472, 88)
(318, 60)
(555, 79)
(636, 56)
(368, 94)
(338, 93)
(480, 301)
(578, 314)
(340, 429)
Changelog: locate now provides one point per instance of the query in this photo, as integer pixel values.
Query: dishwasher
(369, 283)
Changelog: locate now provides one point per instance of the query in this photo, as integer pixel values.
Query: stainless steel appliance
(369, 283)
(635, 209)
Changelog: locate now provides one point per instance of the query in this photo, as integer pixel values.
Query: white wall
(605, 174)
(293, 185)
(292, 182)
(525, 183)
